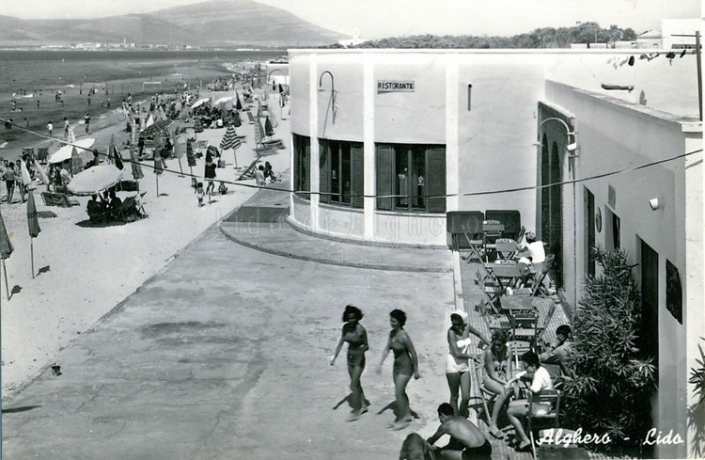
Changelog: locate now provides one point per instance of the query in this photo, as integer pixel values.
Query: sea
(35, 70)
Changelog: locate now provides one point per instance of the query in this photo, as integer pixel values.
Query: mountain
(210, 23)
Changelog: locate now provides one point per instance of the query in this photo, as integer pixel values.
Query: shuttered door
(436, 179)
(358, 176)
(384, 157)
(324, 185)
(306, 167)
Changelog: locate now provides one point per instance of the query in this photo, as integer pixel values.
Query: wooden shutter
(324, 168)
(306, 167)
(384, 156)
(358, 175)
(436, 179)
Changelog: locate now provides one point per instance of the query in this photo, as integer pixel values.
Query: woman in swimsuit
(356, 336)
(406, 364)
(496, 364)
(457, 368)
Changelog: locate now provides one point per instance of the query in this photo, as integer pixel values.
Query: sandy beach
(82, 272)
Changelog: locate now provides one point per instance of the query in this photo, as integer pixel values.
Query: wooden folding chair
(491, 230)
(487, 397)
(544, 411)
(538, 279)
(506, 248)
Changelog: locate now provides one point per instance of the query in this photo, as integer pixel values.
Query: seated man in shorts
(466, 440)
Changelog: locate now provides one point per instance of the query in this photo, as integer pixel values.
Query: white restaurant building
(386, 142)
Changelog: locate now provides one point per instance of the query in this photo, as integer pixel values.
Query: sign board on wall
(395, 86)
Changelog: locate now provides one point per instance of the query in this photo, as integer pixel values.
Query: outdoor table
(509, 272)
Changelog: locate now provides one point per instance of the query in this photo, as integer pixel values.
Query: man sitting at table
(531, 260)
(556, 354)
(517, 411)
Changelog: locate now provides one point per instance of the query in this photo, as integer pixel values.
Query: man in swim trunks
(466, 440)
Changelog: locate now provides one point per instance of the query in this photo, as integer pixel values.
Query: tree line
(546, 37)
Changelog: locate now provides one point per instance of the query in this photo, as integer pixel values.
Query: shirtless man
(466, 440)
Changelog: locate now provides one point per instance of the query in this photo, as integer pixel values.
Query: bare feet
(496, 432)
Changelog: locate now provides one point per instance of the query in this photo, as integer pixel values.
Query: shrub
(612, 387)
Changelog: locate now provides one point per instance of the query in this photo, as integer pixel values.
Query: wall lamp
(572, 147)
(654, 204)
(332, 91)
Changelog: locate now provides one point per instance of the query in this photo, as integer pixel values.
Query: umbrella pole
(7, 285)
(181, 168)
(31, 251)
(235, 156)
(157, 177)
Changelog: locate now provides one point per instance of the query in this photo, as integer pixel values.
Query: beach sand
(81, 273)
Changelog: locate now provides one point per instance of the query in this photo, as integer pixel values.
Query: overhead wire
(476, 193)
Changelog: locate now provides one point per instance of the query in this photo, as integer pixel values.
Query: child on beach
(200, 193)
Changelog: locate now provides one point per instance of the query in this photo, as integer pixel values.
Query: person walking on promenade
(9, 177)
(356, 336)
(50, 129)
(199, 194)
(66, 128)
(406, 364)
(457, 367)
(210, 176)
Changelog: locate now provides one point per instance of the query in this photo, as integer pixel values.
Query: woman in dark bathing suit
(356, 336)
(406, 364)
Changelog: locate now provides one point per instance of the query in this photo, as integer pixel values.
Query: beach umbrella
(149, 122)
(5, 250)
(42, 174)
(268, 129)
(238, 104)
(162, 115)
(200, 102)
(259, 133)
(95, 179)
(236, 120)
(65, 152)
(223, 100)
(24, 173)
(33, 225)
(231, 141)
(76, 163)
(273, 120)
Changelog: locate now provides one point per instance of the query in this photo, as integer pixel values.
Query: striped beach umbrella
(259, 133)
(231, 141)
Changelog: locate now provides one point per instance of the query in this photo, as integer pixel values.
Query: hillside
(210, 23)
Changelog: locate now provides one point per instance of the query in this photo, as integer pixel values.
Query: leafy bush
(611, 390)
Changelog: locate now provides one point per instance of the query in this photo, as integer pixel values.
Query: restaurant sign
(395, 86)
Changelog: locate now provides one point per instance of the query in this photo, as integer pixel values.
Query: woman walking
(406, 364)
(457, 367)
(356, 336)
(210, 175)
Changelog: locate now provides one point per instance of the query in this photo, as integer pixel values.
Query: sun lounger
(130, 210)
(58, 199)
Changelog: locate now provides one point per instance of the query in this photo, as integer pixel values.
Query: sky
(386, 18)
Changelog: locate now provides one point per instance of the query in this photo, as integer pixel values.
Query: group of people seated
(509, 385)
(107, 207)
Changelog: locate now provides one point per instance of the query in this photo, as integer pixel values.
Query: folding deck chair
(58, 199)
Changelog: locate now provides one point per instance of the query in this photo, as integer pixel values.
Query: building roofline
(526, 51)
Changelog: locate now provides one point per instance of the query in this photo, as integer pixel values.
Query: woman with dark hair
(356, 336)
(210, 175)
(457, 367)
(406, 364)
(497, 362)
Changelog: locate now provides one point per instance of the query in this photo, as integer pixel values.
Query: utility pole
(698, 70)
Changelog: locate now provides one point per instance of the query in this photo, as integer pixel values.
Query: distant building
(672, 31)
(649, 39)
(355, 40)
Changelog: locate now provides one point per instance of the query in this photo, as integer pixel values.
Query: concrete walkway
(225, 355)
